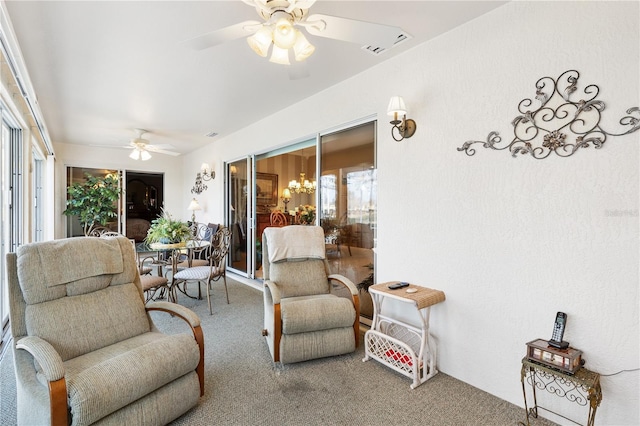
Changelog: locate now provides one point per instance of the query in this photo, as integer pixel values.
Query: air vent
(377, 50)
(211, 134)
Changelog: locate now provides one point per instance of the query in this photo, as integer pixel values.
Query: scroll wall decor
(559, 125)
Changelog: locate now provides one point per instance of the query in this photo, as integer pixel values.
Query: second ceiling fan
(280, 31)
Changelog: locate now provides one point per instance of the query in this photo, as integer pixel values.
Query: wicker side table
(403, 347)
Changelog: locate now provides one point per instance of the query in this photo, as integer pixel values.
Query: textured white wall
(510, 241)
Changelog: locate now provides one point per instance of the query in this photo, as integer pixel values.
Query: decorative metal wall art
(559, 125)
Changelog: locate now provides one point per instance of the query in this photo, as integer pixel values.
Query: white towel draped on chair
(295, 242)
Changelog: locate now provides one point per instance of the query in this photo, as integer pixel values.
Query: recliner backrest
(297, 276)
(79, 294)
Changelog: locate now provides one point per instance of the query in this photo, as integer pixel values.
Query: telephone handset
(558, 332)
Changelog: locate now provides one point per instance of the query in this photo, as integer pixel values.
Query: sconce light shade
(396, 106)
(405, 128)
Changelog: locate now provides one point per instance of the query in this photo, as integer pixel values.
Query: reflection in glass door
(238, 193)
(348, 205)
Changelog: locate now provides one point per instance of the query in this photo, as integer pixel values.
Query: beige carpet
(243, 386)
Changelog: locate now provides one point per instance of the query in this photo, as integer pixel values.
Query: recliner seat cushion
(108, 379)
(316, 313)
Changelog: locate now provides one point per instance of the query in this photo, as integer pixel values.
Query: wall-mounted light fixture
(286, 196)
(405, 127)
(205, 174)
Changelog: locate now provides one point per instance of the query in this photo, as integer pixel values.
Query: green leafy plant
(94, 200)
(166, 230)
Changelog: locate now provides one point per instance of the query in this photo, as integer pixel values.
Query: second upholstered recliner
(302, 319)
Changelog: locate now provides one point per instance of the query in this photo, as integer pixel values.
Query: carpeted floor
(244, 387)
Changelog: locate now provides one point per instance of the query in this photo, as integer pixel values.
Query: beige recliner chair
(302, 319)
(85, 348)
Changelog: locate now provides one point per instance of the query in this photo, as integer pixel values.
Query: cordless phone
(558, 332)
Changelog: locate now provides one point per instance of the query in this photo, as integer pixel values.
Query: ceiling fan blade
(222, 35)
(152, 148)
(364, 33)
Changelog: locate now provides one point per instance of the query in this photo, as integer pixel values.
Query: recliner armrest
(273, 290)
(346, 282)
(173, 308)
(45, 355)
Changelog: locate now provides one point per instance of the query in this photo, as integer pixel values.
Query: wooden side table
(583, 388)
(403, 347)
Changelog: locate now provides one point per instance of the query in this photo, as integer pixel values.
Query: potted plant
(94, 200)
(166, 231)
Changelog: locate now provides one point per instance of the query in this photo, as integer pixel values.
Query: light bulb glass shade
(261, 40)
(135, 154)
(194, 205)
(302, 48)
(284, 35)
(286, 194)
(205, 167)
(144, 155)
(279, 56)
(396, 106)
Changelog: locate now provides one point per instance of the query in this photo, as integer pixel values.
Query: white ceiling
(103, 68)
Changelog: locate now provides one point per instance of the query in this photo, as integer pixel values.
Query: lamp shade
(302, 49)
(279, 56)
(396, 106)
(284, 35)
(144, 155)
(194, 205)
(261, 41)
(135, 154)
(286, 193)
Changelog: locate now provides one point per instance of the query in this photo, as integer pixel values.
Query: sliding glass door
(238, 215)
(348, 186)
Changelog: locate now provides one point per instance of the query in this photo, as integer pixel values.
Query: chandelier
(303, 186)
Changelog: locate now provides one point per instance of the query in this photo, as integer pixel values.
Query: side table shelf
(583, 388)
(403, 347)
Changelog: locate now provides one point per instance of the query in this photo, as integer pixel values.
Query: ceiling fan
(280, 32)
(142, 147)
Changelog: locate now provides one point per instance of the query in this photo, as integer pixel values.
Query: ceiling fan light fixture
(135, 154)
(284, 35)
(261, 40)
(302, 48)
(279, 56)
(144, 155)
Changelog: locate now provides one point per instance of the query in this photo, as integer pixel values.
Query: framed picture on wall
(266, 189)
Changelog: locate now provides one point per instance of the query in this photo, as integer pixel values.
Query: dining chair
(278, 218)
(214, 271)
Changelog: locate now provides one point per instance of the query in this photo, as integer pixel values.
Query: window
(10, 202)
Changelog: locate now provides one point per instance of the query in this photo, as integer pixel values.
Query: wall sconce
(286, 196)
(205, 174)
(405, 127)
(193, 206)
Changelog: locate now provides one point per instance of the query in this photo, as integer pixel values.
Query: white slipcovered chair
(302, 319)
(85, 348)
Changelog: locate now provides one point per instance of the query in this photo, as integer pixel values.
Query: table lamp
(286, 196)
(193, 206)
